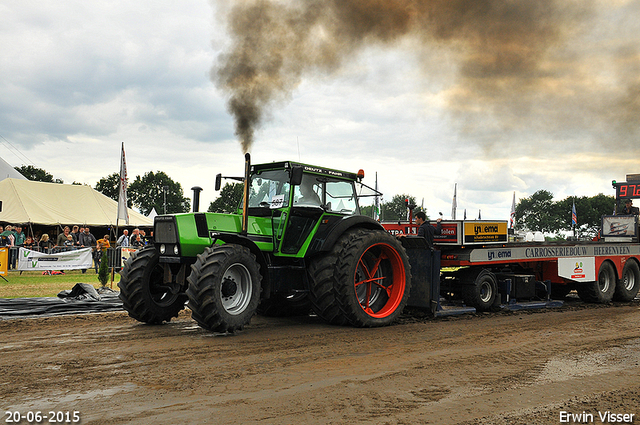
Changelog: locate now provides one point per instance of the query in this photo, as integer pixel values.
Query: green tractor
(297, 244)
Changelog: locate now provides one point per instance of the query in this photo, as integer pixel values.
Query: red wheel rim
(380, 272)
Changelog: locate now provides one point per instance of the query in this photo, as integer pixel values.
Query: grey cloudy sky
(496, 96)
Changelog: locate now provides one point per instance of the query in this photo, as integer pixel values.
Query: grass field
(35, 284)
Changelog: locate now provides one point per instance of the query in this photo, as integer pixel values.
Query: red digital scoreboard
(627, 190)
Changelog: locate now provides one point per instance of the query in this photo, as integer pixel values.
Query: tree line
(152, 190)
(538, 212)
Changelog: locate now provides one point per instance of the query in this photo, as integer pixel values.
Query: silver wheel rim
(236, 289)
(486, 292)
(629, 280)
(604, 280)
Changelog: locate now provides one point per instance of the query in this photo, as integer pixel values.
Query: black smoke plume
(499, 45)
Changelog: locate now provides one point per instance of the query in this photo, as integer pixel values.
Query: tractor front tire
(144, 294)
(224, 288)
(373, 279)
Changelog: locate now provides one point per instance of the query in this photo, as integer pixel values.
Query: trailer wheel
(602, 290)
(482, 293)
(285, 306)
(627, 287)
(224, 288)
(373, 279)
(144, 294)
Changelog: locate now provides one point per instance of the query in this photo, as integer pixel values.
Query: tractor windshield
(332, 195)
(341, 197)
(269, 189)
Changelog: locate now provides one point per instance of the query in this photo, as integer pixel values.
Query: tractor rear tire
(602, 290)
(627, 287)
(143, 292)
(224, 288)
(321, 274)
(373, 279)
(482, 292)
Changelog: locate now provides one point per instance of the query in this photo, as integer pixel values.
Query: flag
(123, 212)
(574, 217)
(454, 203)
(376, 208)
(512, 219)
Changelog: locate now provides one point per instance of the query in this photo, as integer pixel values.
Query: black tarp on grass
(83, 298)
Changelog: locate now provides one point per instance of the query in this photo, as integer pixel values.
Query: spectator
(20, 237)
(87, 240)
(29, 243)
(45, 244)
(102, 245)
(76, 236)
(629, 209)
(62, 237)
(19, 241)
(123, 240)
(137, 243)
(8, 237)
(134, 236)
(69, 242)
(4, 240)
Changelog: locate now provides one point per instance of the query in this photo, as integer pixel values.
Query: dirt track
(498, 368)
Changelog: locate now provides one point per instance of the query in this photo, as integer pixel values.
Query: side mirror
(296, 175)
(218, 181)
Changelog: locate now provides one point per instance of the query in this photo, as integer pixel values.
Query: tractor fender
(328, 233)
(237, 239)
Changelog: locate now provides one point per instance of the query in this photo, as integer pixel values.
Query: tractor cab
(298, 198)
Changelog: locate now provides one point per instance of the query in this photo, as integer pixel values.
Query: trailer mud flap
(578, 269)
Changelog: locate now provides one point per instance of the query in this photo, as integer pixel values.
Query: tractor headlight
(175, 249)
(162, 249)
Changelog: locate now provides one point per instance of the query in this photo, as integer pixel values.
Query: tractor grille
(165, 230)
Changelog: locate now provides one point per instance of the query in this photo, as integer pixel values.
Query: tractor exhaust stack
(245, 202)
(196, 198)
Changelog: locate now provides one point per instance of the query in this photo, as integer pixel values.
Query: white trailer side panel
(578, 269)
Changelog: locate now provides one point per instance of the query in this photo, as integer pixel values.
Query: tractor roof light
(360, 174)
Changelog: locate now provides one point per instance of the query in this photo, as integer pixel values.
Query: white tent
(25, 201)
(8, 172)
(153, 213)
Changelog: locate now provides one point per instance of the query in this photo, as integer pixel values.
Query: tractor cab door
(269, 196)
(314, 197)
(306, 210)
